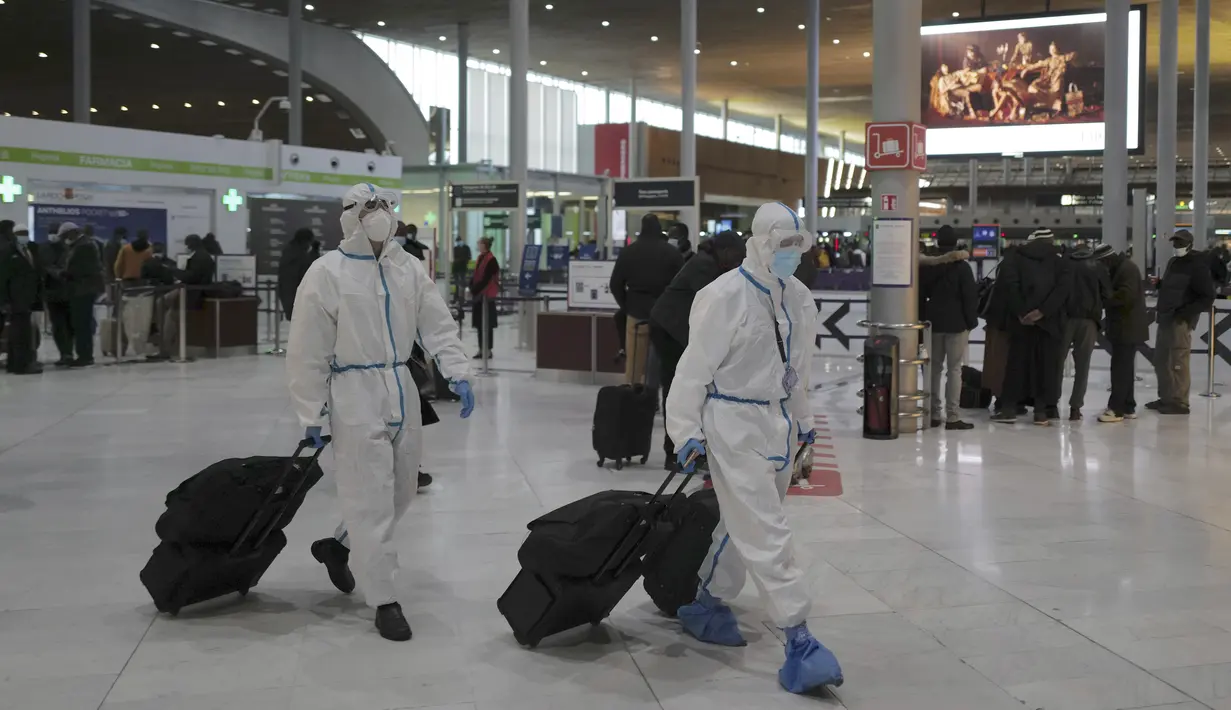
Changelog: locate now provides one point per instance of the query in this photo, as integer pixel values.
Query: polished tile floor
(1083, 567)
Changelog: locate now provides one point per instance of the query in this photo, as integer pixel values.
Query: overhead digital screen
(1025, 85)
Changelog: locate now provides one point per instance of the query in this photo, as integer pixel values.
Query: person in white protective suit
(740, 397)
(358, 312)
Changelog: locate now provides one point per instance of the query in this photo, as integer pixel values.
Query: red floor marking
(822, 446)
(824, 482)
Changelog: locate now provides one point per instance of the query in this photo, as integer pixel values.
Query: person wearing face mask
(740, 396)
(21, 295)
(358, 311)
(1185, 292)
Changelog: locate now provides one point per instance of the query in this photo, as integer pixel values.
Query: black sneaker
(1041, 418)
(1005, 416)
(391, 623)
(959, 426)
(936, 423)
(1074, 414)
(1155, 405)
(425, 479)
(82, 362)
(335, 557)
(64, 362)
(1052, 412)
(1022, 410)
(1169, 408)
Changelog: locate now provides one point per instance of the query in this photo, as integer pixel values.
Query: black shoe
(480, 356)
(425, 479)
(1169, 408)
(82, 362)
(1022, 410)
(1041, 418)
(936, 423)
(391, 623)
(1155, 405)
(1052, 412)
(335, 556)
(1005, 416)
(1074, 414)
(959, 426)
(64, 362)
(158, 358)
(34, 368)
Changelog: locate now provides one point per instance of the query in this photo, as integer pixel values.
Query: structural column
(81, 61)
(463, 90)
(1201, 127)
(972, 187)
(294, 70)
(1115, 140)
(519, 63)
(726, 114)
(634, 150)
(895, 72)
(813, 98)
(1168, 98)
(778, 132)
(688, 91)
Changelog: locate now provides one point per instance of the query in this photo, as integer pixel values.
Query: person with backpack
(1085, 313)
(1128, 326)
(1185, 292)
(950, 302)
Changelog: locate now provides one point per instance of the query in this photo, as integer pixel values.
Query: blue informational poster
(528, 281)
(104, 220)
(587, 252)
(557, 257)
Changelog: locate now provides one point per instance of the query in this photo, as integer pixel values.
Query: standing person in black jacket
(55, 294)
(111, 253)
(669, 316)
(21, 295)
(1036, 286)
(1185, 292)
(293, 264)
(199, 271)
(642, 272)
(1085, 310)
(83, 276)
(951, 303)
(1128, 326)
(211, 245)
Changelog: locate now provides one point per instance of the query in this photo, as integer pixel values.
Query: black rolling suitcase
(671, 570)
(624, 423)
(580, 560)
(974, 395)
(183, 572)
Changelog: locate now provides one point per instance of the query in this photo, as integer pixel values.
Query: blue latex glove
(807, 437)
(314, 433)
(462, 389)
(686, 451)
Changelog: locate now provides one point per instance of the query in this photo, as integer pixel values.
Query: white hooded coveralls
(728, 392)
(356, 318)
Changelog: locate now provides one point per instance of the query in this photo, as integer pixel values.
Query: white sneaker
(1110, 417)
(1131, 415)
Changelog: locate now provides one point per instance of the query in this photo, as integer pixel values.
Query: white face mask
(378, 226)
(1181, 251)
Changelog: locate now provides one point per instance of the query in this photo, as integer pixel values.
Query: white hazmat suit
(356, 317)
(732, 392)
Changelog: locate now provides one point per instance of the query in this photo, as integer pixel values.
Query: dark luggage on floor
(180, 573)
(624, 423)
(974, 394)
(671, 570)
(604, 538)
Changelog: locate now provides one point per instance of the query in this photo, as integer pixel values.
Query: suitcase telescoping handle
(292, 465)
(623, 556)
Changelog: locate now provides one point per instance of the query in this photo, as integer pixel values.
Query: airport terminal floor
(1082, 566)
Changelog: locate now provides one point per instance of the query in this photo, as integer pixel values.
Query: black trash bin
(880, 387)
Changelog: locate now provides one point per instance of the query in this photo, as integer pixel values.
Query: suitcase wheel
(619, 464)
(644, 459)
(600, 463)
(243, 592)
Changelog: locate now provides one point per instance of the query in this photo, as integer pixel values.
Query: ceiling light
(187, 105)
(442, 38)
(63, 112)
(956, 13)
(308, 98)
(585, 73)
(256, 102)
(155, 107)
(123, 108)
(380, 23)
(606, 23)
(696, 51)
(867, 54)
(93, 110)
(542, 62)
(549, 6)
(837, 41)
(309, 8)
(6, 113)
(222, 103)
(654, 38)
(34, 113)
(179, 34)
(802, 26)
(42, 55)
(258, 62)
(207, 43)
(760, 9)
(234, 52)
(734, 63)
(154, 46)
(495, 51)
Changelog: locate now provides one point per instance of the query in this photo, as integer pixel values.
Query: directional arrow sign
(831, 324)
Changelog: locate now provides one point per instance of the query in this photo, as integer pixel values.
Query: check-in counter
(222, 327)
(578, 347)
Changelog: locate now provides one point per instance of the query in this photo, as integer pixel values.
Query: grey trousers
(948, 353)
(1172, 352)
(1080, 337)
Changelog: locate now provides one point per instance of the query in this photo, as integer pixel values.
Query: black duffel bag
(576, 539)
(214, 506)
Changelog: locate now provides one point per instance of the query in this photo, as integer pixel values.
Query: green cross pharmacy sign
(9, 189)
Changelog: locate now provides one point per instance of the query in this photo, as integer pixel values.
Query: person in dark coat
(807, 270)
(677, 236)
(84, 281)
(111, 252)
(1091, 284)
(460, 265)
(55, 295)
(1184, 293)
(669, 316)
(485, 282)
(1128, 326)
(951, 302)
(1036, 285)
(199, 271)
(641, 274)
(21, 295)
(211, 245)
(294, 263)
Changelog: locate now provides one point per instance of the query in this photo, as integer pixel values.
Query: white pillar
(812, 104)
(607, 106)
(1115, 145)
(1201, 127)
(463, 90)
(725, 116)
(634, 149)
(81, 61)
(1168, 98)
(519, 63)
(294, 74)
(688, 75)
(778, 132)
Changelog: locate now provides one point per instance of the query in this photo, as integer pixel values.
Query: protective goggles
(788, 240)
(385, 200)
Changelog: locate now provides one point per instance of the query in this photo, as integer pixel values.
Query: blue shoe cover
(709, 620)
(809, 665)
